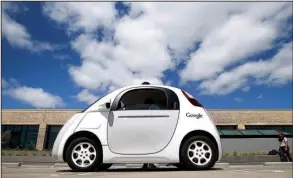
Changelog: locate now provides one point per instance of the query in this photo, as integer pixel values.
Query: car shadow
(145, 170)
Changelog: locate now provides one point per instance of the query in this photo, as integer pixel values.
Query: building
(37, 129)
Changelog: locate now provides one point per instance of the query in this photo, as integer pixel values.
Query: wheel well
(86, 134)
(197, 133)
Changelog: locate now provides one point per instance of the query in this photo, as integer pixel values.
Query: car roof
(149, 86)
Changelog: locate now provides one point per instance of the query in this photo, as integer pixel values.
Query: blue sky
(67, 55)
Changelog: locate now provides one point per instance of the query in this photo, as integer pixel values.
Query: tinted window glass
(288, 129)
(52, 132)
(19, 136)
(143, 99)
(31, 137)
(226, 127)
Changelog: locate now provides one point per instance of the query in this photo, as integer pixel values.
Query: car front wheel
(198, 153)
(83, 154)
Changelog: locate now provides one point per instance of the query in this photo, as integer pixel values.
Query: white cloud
(184, 23)
(86, 97)
(123, 64)
(4, 83)
(246, 89)
(36, 97)
(14, 7)
(17, 35)
(259, 96)
(228, 45)
(276, 71)
(86, 16)
(237, 99)
(156, 36)
(11, 82)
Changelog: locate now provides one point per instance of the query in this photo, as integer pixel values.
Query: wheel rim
(83, 154)
(199, 153)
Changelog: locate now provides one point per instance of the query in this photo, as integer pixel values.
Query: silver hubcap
(83, 154)
(200, 153)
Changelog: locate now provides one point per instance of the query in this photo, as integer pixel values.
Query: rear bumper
(216, 135)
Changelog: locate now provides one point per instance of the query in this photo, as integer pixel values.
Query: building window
(19, 136)
(226, 127)
(288, 129)
(52, 132)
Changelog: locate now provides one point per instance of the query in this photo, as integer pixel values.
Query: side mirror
(108, 104)
(105, 107)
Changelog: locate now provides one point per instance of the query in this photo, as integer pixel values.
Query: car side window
(143, 99)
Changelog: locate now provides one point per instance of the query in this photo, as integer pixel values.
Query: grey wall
(251, 144)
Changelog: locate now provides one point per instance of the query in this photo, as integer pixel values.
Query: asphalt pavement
(232, 171)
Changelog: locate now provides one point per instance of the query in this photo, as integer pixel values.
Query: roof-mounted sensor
(145, 83)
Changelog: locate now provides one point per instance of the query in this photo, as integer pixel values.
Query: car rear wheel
(83, 154)
(198, 153)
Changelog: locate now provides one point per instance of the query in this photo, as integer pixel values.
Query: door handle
(144, 116)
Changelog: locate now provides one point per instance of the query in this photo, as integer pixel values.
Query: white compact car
(140, 124)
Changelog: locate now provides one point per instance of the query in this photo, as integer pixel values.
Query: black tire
(97, 160)
(180, 166)
(188, 164)
(104, 167)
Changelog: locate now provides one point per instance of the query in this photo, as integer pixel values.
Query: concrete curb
(222, 165)
(11, 165)
(278, 163)
(60, 165)
(36, 166)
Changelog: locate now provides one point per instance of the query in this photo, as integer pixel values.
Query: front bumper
(67, 130)
(220, 149)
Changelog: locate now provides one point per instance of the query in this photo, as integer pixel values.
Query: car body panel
(96, 123)
(141, 132)
(165, 138)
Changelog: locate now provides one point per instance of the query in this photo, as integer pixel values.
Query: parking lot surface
(242, 171)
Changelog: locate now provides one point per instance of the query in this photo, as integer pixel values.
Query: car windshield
(96, 101)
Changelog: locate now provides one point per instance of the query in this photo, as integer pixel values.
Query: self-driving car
(140, 124)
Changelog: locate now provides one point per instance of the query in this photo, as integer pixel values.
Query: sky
(65, 55)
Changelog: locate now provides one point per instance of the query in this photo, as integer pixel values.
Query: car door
(142, 120)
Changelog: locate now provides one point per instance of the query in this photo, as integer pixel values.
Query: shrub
(25, 153)
(44, 153)
(235, 153)
(18, 153)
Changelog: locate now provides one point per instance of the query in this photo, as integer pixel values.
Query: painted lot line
(261, 172)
